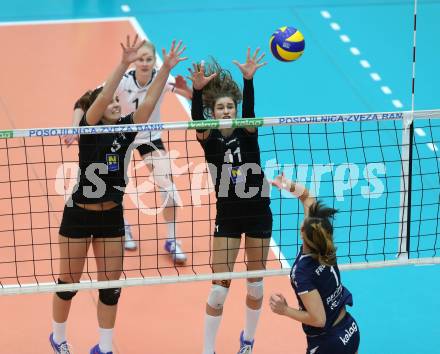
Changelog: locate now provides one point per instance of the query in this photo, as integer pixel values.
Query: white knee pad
(217, 296)
(255, 289)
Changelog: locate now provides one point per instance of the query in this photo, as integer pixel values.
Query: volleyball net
(380, 170)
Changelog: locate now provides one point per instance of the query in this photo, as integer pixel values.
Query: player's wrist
(166, 65)
(297, 189)
(285, 311)
(124, 64)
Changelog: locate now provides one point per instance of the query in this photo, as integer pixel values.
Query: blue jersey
(308, 274)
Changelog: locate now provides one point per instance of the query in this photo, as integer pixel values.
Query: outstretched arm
(297, 189)
(248, 69)
(143, 113)
(199, 80)
(129, 55)
(78, 113)
(248, 99)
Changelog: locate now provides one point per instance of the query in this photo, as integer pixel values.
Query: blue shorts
(343, 338)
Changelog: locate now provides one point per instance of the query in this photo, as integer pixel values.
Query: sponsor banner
(247, 122)
(6, 134)
(342, 118)
(204, 124)
(116, 129)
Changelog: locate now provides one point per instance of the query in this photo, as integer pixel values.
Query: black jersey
(308, 274)
(103, 161)
(234, 161)
(234, 164)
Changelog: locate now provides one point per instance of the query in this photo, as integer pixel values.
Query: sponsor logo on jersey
(334, 299)
(349, 333)
(112, 161)
(236, 175)
(319, 270)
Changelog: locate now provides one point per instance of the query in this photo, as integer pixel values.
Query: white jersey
(131, 94)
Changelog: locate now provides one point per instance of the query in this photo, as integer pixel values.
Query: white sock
(126, 226)
(252, 317)
(171, 231)
(59, 332)
(105, 339)
(212, 324)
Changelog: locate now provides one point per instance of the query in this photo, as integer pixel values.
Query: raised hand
(251, 65)
(197, 76)
(71, 139)
(130, 50)
(278, 304)
(173, 57)
(181, 83)
(281, 182)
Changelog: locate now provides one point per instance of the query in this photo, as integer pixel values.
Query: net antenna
(407, 153)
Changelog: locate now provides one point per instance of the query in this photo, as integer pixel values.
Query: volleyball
(287, 44)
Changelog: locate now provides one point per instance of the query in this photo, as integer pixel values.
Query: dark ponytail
(86, 100)
(318, 233)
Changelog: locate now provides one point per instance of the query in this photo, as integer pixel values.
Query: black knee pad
(65, 295)
(110, 296)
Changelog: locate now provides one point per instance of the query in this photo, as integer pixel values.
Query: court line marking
(125, 8)
(344, 38)
(364, 63)
(420, 132)
(355, 51)
(64, 21)
(335, 26)
(325, 14)
(397, 103)
(386, 90)
(374, 76)
(432, 146)
(274, 247)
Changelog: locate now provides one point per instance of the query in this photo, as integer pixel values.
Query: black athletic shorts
(150, 147)
(250, 217)
(82, 223)
(343, 338)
